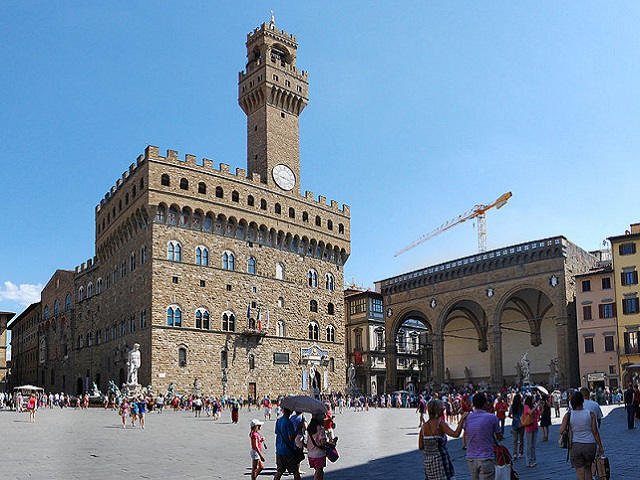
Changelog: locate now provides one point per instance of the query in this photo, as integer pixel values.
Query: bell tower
(272, 91)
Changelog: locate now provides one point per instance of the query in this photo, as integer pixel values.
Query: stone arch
(526, 321)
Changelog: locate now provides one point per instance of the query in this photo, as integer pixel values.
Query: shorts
(254, 454)
(582, 454)
(267, 411)
(286, 463)
(318, 462)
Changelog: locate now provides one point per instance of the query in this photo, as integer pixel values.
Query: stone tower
(273, 92)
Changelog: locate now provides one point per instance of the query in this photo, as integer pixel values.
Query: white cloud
(23, 294)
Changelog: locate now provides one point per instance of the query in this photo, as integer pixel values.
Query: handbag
(602, 467)
(565, 439)
(526, 420)
(329, 448)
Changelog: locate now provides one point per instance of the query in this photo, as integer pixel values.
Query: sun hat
(255, 422)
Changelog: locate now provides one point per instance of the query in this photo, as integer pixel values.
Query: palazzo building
(230, 279)
(484, 312)
(626, 264)
(4, 319)
(24, 347)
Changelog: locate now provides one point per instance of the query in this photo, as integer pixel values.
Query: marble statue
(553, 372)
(467, 375)
(525, 369)
(196, 387)
(95, 392)
(133, 362)
(351, 371)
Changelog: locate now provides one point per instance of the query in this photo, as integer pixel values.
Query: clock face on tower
(284, 177)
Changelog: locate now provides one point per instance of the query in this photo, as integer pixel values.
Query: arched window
(173, 216)
(292, 212)
(252, 361)
(182, 357)
(174, 316)
(79, 343)
(219, 192)
(46, 310)
(133, 192)
(81, 294)
(263, 204)
(228, 261)
(281, 329)
(328, 281)
(235, 196)
(202, 256)
(164, 180)
(251, 266)
(250, 200)
(185, 217)
(340, 228)
(279, 271)
(329, 224)
(202, 187)
(90, 290)
(305, 217)
(67, 303)
(202, 318)
(184, 184)
(313, 306)
(277, 208)
(331, 333)
(318, 221)
(330, 308)
(56, 307)
(312, 277)
(174, 251)
(99, 286)
(208, 223)
(228, 322)
(161, 214)
(280, 302)
(313, 331)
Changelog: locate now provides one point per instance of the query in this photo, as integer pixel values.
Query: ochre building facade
(229, 279)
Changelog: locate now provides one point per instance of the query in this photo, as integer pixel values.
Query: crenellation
(207, 164)
(241, 173)
(255, 177)
(172, 156)
(322, 200)
(139, 160)
(132, 168)
(308, 195)
(224, 168)
(190, 160)
(151, 152)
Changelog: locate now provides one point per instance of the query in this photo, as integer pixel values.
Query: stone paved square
(379, 444)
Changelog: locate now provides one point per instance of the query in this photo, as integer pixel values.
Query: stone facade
(4, 320)
(485, 311)
(24, 347)
(233, 279)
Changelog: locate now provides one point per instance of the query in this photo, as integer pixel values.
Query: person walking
(257, 442)
(585, 437)
(124, 412)
(32, 407)
(432, 440)
(285, 449)
(142, 409)
(316, 454)
(557, 396)
(545, 417)
(517, 431)
(591, 405)
(501, 407)
(481, 429)
(628, 405)
(531, 429)
(421, 410)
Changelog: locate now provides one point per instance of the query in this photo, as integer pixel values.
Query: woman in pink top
(316, 438)
(257, 442)
(124, 412)
(531, 431)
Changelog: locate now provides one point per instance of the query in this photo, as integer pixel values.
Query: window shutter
(613, 307)
(635, 275)
(620, 249)
(633, 248)
(622, 278)
(600, 311)
(625, 310)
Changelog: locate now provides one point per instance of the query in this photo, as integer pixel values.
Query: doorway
(253, 395)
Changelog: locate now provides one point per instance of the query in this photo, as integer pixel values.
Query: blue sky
(418, 111)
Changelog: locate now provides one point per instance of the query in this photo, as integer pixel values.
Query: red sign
(357, 357)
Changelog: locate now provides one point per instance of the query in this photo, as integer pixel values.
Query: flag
(248, 315)
(268, 319)
(259, 327)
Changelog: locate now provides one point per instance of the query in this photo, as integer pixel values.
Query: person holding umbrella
(286, 452)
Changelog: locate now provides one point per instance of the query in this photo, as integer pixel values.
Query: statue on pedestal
(553, 372)
(525, 370)
(133, 362)
(351, 386)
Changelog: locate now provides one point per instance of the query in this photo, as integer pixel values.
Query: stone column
(390, 363)
(494, 337)
(437, 341)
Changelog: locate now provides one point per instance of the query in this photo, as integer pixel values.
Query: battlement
(273, 31)
(302, 75)
(88, 265)
(151, 153)
(120, 182)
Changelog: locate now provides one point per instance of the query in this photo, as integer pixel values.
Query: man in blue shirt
(285, 447)
(480, 428)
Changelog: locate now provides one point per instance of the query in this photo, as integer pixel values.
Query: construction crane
(479, 212)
